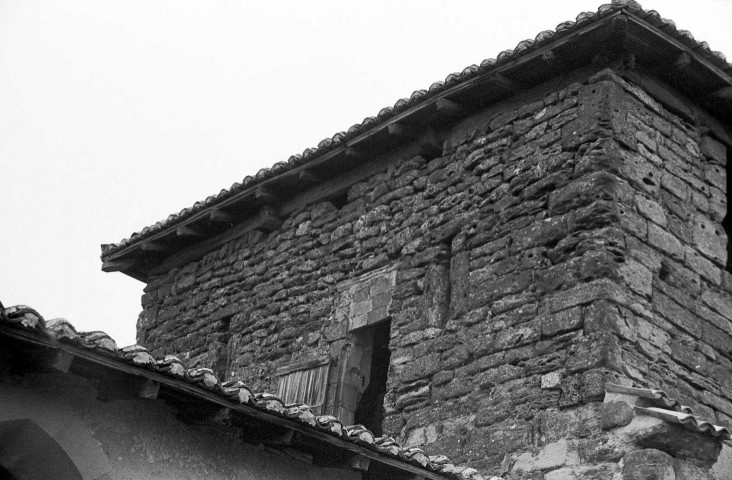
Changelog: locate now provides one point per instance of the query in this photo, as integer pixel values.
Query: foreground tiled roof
(437, 89)
(657, 403)
(236, 392)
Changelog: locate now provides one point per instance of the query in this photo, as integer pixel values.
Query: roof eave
(622, 30)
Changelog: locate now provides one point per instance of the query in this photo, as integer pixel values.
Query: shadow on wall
(28, 452)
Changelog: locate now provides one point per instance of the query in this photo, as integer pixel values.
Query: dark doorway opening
(370, 409)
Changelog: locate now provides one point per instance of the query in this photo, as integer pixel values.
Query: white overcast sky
(114, 114)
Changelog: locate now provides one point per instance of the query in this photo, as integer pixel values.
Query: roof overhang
(594, 41)
(204, 401)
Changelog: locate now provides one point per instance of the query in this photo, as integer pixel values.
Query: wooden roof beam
(266, 196)
(188, 231)
(682, 61)
(219, 215)
(119, 264)
(449, 108)
(429, 144)
(353, 153)
(148, 389)
(724, 93)
(154, 247)
(403, 130)
(307, 177)
(268, 219)
(506, 83)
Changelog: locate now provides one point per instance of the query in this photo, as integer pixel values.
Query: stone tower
(468, 270)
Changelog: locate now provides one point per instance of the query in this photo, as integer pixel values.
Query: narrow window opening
(222, 361)
(437, 287)
(370, 409)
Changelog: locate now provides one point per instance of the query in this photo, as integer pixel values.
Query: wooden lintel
(403, 130)
(61, 361)
(505, 83)
(683, 60)
(220, 216)
(188, 231)
(153, 247)
(450, 108)
(307, 177)
(267, 196)
(149, 389)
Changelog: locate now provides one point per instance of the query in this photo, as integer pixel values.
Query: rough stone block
(719, 301)
(551, 380)
(598, 264)
(694, 260)
(637, 276)
(710, 239)
(421, 367)
(600, 349)
(493, 377)
(640, 173)
(551, 456)
(713, 150)
(583, 191)
(664, 241)
(647, 464)
(561, 322)
(583, 293)
(616, 414)
(651, 210)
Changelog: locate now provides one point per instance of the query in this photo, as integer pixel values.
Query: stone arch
(27, 452)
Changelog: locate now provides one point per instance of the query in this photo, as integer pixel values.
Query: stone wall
(562, 240)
